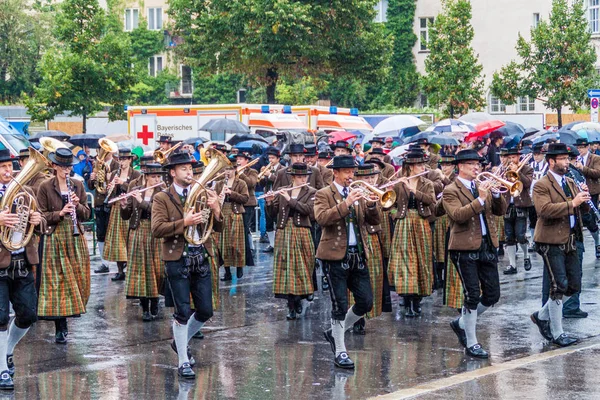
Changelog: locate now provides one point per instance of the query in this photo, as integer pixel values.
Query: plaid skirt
(375, 266)
(453, 292)
(293, 261)
(214, 269)
(115, 245)
(145, 272)
(439, 239)
(65, 280)
(410, 267)
(232, 241)
(500, 225)
(386, 233)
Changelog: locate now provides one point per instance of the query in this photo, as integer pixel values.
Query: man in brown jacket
(344, 216)
(558, 204)
(472, 245)
(589, 165)
(187, 266)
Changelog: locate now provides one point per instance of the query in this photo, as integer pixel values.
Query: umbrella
(340, 135)
(585, 126)
(59, 135)
(530, 132)
(513, 140)
(546, 136)
(422, 135)
(535, 135)
(568, 137)
(224, 125)
(90, 140)
(570, 126)
(444, 140)
(483, 128)
(245, 137)
(451, 125)
(511, 128)
(252, 146)
(593, 137)
(476, 117)
(194, 140)
(394, 126)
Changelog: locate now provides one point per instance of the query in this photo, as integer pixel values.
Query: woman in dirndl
(410, 268)
(65, 280)
(115, 245)
(294, 253)
(440, 231)
(144, 270)
(232, 241)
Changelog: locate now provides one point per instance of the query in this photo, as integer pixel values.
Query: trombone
(160, 156)
(499, 185)
(387, 198)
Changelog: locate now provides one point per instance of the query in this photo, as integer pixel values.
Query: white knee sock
(251, 241)
(531, 232)
(555, 310)
(180, 333)
(3, 344)
(337, 330)
(481, 309)
(543, 312)
(193, 326)
(15, 334)
(101, 251)
(469, 318)
(596, 238)
(512, 255)
(525, 248)
(271, 236)
(351, 318)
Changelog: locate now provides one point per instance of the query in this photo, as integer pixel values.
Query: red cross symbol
(145, 135)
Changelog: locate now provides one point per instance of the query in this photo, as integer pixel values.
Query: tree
(557, 65)
(453, 81)
(88, 68)
(266, 40)
(403, 79)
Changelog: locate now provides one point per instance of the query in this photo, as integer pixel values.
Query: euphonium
(387, 198)
(160, 156)
(500, 185)
(197, 198)
(20, 202)
(100, 168)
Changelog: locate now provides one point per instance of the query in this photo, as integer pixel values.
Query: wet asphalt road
(250, 351)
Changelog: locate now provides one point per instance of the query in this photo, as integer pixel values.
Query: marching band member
(322, 160)
(115, 248)
(472, 245)
(232, 238)
(296, 153)
(250, 176)
(434, 158)
(268, 173)
(65, 280)
(341, 147)
(145, 273)
(540, 168)
(166, 142)
(377, 153)
(379, 143)
(500, 219)
(440, 231)
(39, 178)
(515, 220)
(589, 164)
(17, 284)
(559, 206)
(410, 268)
(187, 267)
(294, 255)
(387, 213)
(344, 216)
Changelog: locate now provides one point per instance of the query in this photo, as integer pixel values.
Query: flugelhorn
(513, 176)
(387, 198)
(500, 185)
(275, 193)
(160, 156)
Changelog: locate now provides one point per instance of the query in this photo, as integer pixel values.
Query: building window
(381, 8)
(155, 18)
(424, 24)
(187, 86)
(526, 103)
(132, 16)
(536, 20)
(155, 65)
(496, 106)
(594, 14)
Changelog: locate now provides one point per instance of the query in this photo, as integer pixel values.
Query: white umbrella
(451, 126)
(586, 126)
(394, 124)
(477, 117)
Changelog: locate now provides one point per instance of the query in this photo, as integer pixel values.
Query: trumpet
(387, 198)
(265, 169)
(275, 193)
(330, 162)
(513, 176)
(160, 156)
(395, 182)
(241, 169)
(500, 185)
(127, 195)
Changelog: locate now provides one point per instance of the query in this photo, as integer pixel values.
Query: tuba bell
(20, 202)
(196, 201)
(100, 168)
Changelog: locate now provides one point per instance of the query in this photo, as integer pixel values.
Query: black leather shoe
(264, 239)
(477, 351)
(291, 315)
(10, 364)
(564, 340)
(408, 311)
(299, 307)
(119, 276)
(186, 372)
(189, 353)
(60, 337)
(510, 270)
(6, 382)
(226, 278)
(501, 249)
(460, 332)
(269, 249)
(579, 313)
(146, 317)
(329, 337)
(527, 264)
(343, 361)
(310, 297)
(239, 272)
(103, 269)
(198, 335)
(324, 283)
(533, 248)
(598, 252)
(543, 326)
(416, 305)
(359, 327)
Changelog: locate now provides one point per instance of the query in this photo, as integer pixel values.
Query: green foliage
(557, 65)
(267, 39)
(145, 43)
(453, 81)
(303, 91)
(150, 90)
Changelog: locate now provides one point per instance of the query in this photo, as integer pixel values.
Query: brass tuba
(196, 201)
(50, 145)
(386, 198)
(100, 168)
(19, 201)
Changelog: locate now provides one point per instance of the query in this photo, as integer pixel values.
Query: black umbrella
(530, 132)
(544, 137)
(224, 125)
(87, 139)
(244, 137)
(568, 136)
(59, 135)
(423, 135)
(194, 140)
(568, 126)
(511, 128)
(444, 140)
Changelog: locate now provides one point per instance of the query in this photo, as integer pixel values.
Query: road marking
(482, 372)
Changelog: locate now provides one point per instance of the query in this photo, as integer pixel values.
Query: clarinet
(590, 203)
(74, 212)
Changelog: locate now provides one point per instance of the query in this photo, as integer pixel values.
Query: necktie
(185, 192)
(566, 188)
(474, 190)
(345, 192)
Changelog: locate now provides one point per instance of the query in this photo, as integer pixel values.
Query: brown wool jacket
(238, 196)
(133, 211)
(50, 204)
(301, 210)
(591, 171)
(283, 179)
(425, 196)
(250, 176)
